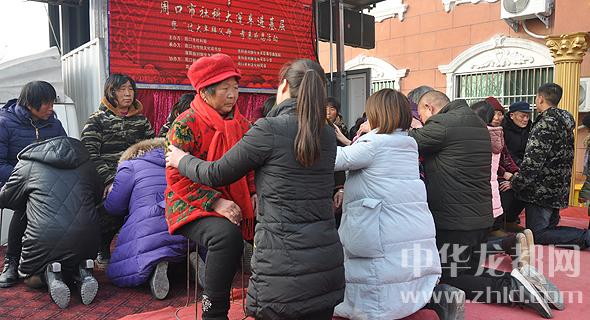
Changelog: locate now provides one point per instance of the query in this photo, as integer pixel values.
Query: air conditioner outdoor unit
(584, 100)
(518, 10)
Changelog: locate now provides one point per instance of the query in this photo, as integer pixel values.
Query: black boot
(523, 292)
(9, 276)
(87, 284)
(58, 290)
(159, 283)
(448, 302)
(215, 308)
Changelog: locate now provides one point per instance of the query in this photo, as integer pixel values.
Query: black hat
(521, 106)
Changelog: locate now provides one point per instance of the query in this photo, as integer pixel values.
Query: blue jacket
(18, 130)
(138, 193)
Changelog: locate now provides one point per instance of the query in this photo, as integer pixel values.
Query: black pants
(224, 243)
(511, 206)
(543, 223)
(109, 227)
(16, 231)
(462, 253)
(319, 315)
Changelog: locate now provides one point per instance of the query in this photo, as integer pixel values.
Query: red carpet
(111, 302)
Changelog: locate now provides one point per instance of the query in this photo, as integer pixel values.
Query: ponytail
(308, 85)
(312, 116)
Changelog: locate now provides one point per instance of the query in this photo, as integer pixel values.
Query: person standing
(543, 182)
(23, 121)
(117, 125)
(297, 266)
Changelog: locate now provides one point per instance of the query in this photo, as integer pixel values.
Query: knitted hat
(495, 103)
(521, 106)
(210, 70)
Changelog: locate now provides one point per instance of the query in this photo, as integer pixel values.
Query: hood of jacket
(21, 114)
(497, 138)
(135, 109)
(59, 152)
(144, 150)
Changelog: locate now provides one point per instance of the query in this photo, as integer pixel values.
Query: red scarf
(227, 133)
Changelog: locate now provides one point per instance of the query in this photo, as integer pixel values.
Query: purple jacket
(138, 192)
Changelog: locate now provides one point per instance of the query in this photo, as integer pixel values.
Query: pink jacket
(497, 138)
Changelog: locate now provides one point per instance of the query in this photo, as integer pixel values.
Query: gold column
(568, 51)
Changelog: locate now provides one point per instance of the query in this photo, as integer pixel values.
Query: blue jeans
(543, 222)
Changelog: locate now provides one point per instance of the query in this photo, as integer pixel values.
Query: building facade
(465, 48)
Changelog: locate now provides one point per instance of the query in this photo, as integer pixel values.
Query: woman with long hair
(386, 218)
(297, 266)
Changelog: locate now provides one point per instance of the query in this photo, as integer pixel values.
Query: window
(507, 86)
(378, 85)
(510, 69)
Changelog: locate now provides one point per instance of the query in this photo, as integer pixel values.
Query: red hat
(496, 104)
(213, 69)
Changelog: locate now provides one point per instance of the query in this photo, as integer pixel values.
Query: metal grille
(507, 86)
(378, 85)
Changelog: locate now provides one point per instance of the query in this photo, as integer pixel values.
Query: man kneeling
(55, 184)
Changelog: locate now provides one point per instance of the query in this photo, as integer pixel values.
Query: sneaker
(548, 290)
(87, 284)
(9, 276)
(159, 284)
(513, 227)
(523, 292)
(199, 265)
(522, 250)
(530, 241)
(58, 290)
(448, 302)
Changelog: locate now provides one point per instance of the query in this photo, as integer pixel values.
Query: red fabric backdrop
(157, 104)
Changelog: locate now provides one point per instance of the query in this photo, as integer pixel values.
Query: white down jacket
(387, 231)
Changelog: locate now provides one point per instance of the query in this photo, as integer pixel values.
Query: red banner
(156, 41)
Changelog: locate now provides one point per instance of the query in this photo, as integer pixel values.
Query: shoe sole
(549, 290)
(88, 290)
(533, 291)
(60, 294)
(159, 284)
(530, 241)
(522, 250)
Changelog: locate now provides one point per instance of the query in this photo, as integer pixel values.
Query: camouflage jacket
(107, 134)
(546, 169)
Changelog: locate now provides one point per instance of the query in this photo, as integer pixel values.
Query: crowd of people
(344, 222)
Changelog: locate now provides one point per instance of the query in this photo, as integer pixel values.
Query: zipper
(36, 129)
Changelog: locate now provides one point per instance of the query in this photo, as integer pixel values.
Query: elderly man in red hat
(218, 219)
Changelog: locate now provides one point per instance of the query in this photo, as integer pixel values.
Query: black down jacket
(457, 153)
(56, 182)
(297, 266)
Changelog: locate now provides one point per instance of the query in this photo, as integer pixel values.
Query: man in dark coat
(543, 181)
(517, 127)
(56, 183)
(22, 122)
(457, 153)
